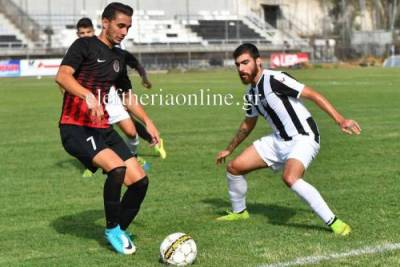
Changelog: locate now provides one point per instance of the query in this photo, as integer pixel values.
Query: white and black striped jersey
(276, 98)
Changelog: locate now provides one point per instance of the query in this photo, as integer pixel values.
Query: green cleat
(159, 148)
(87, 173)
(340, 228)
(145, 165)
(232, 216)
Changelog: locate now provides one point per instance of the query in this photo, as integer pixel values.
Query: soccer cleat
(87, 173)
(232, 216)
(159, 148)
(145, 165)
(120, 241)
(340, 228)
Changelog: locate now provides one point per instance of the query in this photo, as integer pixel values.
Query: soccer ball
(178, 249)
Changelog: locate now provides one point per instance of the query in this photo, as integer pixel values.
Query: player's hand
(146, 83)
(350, 127)
(152, 130)
(222, 155)
(95, 108)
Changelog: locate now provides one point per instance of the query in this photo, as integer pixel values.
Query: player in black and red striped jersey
(89, 68)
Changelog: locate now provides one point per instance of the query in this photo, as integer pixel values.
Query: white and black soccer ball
(178, 249)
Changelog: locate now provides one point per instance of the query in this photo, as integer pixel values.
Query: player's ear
(259, 62)
(105, 23)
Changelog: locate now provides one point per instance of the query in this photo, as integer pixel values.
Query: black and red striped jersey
(97, 67)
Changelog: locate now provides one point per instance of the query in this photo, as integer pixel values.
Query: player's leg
(246, 162)
(135, 179)
(142, 132)
(129, 129)
(299, 159)
(118, 115)
(137, 183)
(89, 146)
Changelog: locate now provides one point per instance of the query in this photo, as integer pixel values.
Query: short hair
(111, 10)
(84, 23)
(246, 48)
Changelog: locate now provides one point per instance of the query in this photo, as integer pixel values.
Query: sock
(112, 194)
(312, 197)
(237, 188)
(142, 132)
(132, 200)
(133, 144)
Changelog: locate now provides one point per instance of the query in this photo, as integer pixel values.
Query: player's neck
(257, 78)
(103, 38)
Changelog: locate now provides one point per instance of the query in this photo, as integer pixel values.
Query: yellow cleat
(340, 228)
(232, 216)
(160, 149)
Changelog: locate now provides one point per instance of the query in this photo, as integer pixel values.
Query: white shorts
(276, 151)
(114, 107)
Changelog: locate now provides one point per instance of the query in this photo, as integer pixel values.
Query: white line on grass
(334, 256)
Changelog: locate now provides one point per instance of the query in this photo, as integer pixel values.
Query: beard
(248, 78)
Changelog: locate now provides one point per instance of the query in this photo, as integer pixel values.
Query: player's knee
(289, 179)
(131, 133)
(117, 175)
(233, 167)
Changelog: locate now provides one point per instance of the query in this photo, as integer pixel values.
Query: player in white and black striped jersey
(275, 96)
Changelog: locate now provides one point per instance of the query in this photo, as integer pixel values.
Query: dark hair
(84, 23)
(112, 8)
(246, 48)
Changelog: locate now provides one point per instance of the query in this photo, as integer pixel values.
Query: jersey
(97, 67)
(276, 97)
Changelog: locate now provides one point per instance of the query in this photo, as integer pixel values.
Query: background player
(275, 96)
(89, 68)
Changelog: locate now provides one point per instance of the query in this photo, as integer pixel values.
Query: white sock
(312, 197)
(133, 144)
(237, 188)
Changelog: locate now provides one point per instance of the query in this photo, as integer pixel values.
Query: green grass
(50, 216)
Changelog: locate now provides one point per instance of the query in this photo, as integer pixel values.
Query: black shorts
(84, 143)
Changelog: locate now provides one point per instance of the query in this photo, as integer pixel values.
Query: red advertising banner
(287, 60)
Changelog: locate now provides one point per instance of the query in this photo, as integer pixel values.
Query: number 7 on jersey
(91, 139)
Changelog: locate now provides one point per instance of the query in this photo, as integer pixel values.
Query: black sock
(142, 132)
(112, 195)
(132, 200)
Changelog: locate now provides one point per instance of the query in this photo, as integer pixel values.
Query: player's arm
(137, 110)
(348, 126)
(244, 130)
(67, 81)
(143, 74)
(132, 62)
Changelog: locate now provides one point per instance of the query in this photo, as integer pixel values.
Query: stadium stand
(152, 26)
(224, 29)
(10, 36)
(14, 21)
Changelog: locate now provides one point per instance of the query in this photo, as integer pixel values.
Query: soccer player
(275, 96)
(116, 111)
(88, 70)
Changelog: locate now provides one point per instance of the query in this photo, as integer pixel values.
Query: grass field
(50, 216)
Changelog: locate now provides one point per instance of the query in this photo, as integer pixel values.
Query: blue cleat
(120, 241)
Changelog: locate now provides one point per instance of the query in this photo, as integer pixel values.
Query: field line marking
(351, 253)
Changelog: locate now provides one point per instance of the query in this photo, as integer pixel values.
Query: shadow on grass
(82, 225)
(68, 163)
(277, 215)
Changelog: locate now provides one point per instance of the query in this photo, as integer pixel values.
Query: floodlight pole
(188, 43)
(394, 14)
